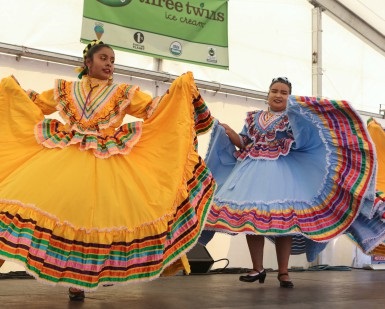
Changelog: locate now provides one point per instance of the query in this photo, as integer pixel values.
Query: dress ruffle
(52, 133)
(369, 233)
(73, 219)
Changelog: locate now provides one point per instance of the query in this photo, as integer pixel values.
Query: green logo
(115, 2)
(176, 48)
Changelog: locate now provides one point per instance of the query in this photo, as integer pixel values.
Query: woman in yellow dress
(377, 132)
(369, 233)
(93, 200)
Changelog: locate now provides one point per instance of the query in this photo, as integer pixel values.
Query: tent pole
(317, 52)
(31, 53)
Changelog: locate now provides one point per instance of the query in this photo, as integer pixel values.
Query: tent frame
(36, 54)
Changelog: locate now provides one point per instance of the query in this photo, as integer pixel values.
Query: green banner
(193, 31)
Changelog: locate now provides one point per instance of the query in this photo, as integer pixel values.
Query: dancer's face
(278, 96)
(101, 65)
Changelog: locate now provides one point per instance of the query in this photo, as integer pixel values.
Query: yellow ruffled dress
(377, 134)
(94, 200)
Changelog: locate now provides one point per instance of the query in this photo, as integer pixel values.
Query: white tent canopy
(266, 39)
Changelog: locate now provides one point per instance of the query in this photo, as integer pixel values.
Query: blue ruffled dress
(308, 172)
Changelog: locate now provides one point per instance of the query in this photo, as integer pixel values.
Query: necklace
(276, 113)
(92, 85)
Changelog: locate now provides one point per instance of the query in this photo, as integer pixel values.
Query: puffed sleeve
(244, 137)
(141, 104)
(45, 100)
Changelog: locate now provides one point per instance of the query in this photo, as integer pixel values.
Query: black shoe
(76, 295)
(261, 275)
(285, 284)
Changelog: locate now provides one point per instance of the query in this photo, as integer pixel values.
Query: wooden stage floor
(356, 288)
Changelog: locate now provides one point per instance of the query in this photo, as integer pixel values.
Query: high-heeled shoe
(76, 295)
(260, 275)
(285, 284)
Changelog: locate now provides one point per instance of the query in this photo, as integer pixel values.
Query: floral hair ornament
(83, 70)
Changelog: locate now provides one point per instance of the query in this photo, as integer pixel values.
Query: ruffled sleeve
(45, 101)
(244, 138)
(141, 105)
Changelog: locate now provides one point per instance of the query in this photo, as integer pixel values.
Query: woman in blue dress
(298, 173)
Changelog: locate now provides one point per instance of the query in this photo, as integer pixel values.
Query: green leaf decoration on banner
(115, 2)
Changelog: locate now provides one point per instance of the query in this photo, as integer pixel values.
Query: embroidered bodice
(265, 135)
(93, 113)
